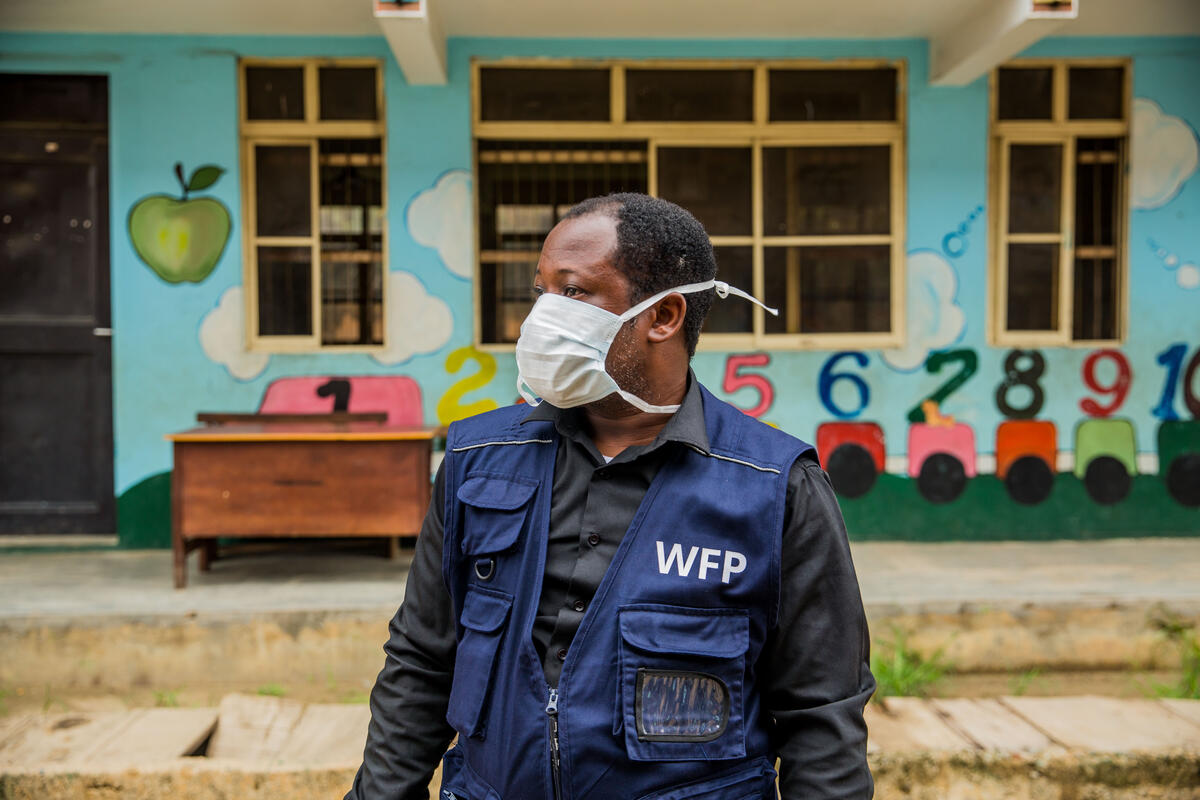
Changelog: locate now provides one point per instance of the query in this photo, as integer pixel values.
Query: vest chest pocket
(494, 513)
(682, 675)
(483, 616)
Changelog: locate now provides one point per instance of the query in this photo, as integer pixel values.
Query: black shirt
(814, 668)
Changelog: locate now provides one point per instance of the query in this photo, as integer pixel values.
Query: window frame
(307, 132)
(755, 135)
(1002, 135)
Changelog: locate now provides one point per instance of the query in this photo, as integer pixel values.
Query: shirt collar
(686, 425)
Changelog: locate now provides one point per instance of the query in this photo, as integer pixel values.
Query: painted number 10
(1172, 360)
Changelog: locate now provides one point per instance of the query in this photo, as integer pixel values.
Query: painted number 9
(1119, 388)
(828, 378)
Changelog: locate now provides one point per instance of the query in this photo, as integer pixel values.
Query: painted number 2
(933, 365)
(734, 380)
(1027, 377)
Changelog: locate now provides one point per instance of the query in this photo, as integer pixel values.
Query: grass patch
(272, 690)
(1021, 682)
(168, 698)
(1181, 635)
(901, 671)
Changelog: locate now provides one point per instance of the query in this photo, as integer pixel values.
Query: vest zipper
(555, 760)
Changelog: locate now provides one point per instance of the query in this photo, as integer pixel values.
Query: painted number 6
(734, 381)
(828, 378)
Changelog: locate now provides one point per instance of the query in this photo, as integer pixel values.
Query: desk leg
(394, 548)
(208, 554)
(178, 545)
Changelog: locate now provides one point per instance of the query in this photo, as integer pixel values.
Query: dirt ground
(318, 689)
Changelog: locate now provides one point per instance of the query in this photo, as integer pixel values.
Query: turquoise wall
(175, 99)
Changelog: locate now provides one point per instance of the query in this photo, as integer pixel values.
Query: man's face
(577, 262)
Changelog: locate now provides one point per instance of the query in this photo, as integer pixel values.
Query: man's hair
(659, 246)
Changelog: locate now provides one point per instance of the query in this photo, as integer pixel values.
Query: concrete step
(1011, 748)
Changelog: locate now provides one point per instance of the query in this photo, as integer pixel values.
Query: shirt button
(562, 654)
(593, 539)
(580, 606)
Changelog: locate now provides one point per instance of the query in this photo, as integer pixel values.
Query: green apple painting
(181, 238)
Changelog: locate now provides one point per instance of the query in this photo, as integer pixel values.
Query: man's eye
(570, 291)
(538, 291)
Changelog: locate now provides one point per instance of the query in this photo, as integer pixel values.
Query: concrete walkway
(1013, 748)
(307, 577)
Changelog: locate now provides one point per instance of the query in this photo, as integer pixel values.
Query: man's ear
(668, 318)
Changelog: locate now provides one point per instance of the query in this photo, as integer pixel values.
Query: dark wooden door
(56, 449)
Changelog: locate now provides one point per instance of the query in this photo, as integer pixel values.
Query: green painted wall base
(894, 510)
(144, 513)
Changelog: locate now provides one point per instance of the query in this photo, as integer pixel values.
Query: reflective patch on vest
(675, 706)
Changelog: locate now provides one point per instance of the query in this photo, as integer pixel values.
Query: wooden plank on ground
(60, 738)
(1106, 724)
(1188, 709)
(11, 727)
(328, 735)
(253, 728)
(905, 724)
(991, 725)
(153, 735)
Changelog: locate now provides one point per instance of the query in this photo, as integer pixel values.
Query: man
(631, 590)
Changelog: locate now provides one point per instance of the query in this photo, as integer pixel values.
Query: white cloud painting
(223, 337)
(417, 322)
(934, 318)
(440, 217)
(1164, 155)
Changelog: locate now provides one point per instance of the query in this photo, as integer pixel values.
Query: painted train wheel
(942, 478)
(851, 470)
(1183, 479)
(1107, 480)
(1029, 480)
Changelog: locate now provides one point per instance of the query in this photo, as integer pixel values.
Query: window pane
(1035, 188)
(812, 191)
(735, 266)
(284, 291)
(54, 99)
(506, 290)
(274, 92)
(564, 95)
(524, 189)
(1098, 163)
(283, 204)
(828, 289)
(711, 182)
(1095, 299)
(689, 95)
(1096, 93)
(817, 95)
(348, 93)
(1025, 93)
(352, 220)
(1032, 287)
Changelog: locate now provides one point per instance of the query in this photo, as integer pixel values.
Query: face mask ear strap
(527, 393)
(724, 290)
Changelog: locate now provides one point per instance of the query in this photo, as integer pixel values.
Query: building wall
(177, 347)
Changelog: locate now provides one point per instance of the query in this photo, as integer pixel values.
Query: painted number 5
(828, 378)
(734, 380)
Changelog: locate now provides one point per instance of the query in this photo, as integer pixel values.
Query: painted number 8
(1028, 377)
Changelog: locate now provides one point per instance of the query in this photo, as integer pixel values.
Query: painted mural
(947, 438)
(181, 238)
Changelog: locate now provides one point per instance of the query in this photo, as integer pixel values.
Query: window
(314, 206)
(1060, 134)
(794, 168)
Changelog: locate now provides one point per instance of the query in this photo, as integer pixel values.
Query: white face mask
(564, 344)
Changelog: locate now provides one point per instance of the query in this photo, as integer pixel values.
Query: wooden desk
(296, 479)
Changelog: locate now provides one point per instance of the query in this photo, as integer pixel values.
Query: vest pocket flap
(501, 494)
(485, 612)
(690, 631)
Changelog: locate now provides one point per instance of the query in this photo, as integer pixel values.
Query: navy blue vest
(658, 696)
